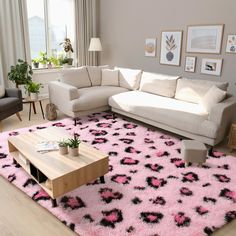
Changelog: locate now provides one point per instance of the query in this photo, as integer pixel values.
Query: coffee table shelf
(64, 173)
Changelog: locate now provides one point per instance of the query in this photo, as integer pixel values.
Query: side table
(232, 137)
(32, 103)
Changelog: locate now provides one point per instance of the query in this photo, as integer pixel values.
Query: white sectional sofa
(169, 102)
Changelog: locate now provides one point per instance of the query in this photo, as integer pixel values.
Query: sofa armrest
(224, 111)
(13, 92)
(62, 91)
(223, 114)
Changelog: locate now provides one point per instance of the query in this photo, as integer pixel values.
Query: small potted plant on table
(35, 62)
(73, 145)
(63, 147)
(33, 89)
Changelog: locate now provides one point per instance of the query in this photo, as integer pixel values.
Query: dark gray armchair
(10, 104)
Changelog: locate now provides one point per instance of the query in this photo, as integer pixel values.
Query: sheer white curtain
(14, 37)
(86, 28)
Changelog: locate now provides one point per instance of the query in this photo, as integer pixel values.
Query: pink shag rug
(148, 191)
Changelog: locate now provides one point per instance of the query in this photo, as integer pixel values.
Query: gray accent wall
(125, 24)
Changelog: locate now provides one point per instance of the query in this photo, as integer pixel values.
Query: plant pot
(73, 152)
(63, 150)
(36, 65)
(33, 96)
(70, 61)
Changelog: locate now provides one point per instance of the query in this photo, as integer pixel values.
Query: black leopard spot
(179, 163)
(108, 195)
(186, 191)
(209, 199)
(201, 210)
(132, 150)
(99, 141)
(228, 194)
(112, 153)
(151, 217)
(128, 161)
(98, 132)
(130, 134)
(3, 155)
(127, 140)
(136, 200)
(130, 126)
(158, 201)
(190, 177)
(72, 202)
(147, 140)
(111, 218)
(88, 218)
(222, 178)
(181, 220)
(154, 167)
(169, 143)
(229, 216)
(121, 179)
(155, 182)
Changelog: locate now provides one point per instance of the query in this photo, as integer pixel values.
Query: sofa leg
(75, 121)
(0, 126)
(18, 115)
(210, 151)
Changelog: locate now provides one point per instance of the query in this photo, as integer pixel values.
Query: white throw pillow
(77, 77)
(213, 96)
(129, 78)
(95, 74)
(110, 77)
(2, 91)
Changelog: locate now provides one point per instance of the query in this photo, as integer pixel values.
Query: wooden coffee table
(57, 174)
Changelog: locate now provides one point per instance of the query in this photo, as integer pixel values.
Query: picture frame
(204, 39)
(211, 66)
(231, 43)
(190, 64)
(171, 42)
(150, 47)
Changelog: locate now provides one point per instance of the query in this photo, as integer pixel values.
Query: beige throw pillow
(77, 77)
(2, 91)
(129, 78)
(110, 77)
(213, 96)
(95, 74)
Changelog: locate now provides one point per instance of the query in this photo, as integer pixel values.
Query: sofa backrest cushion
(2, 91)
(95, 74)
(213, 96)
(191, 90)
(159, 84)
(110, 77)
(77, 77)
(129, 78)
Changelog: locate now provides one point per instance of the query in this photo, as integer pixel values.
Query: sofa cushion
(2, 91)
(77, 77)
(129, 78)
(110, 77)
(213, 96)
(159, 84)
(95, 74)
(175, 113)
(193, 90)
(94, 97)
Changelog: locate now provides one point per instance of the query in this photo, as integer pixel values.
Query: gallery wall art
(204, 39)
(190, 64)
(150, 47)
(211, 66)
(171, 47)
(231, 44)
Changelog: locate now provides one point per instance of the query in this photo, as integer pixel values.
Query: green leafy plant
(21, 73)
(43, 58)
(63, 143)
(73, 142)
(54, 61)
(33, 87)
(67, 45)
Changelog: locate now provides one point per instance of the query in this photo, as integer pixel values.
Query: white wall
(124, 25)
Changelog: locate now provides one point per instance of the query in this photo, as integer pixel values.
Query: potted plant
(35, 62)
(43, 59)
(53, 61)
(73, 145)
(33, 89)
(21, 73)
(63, 147)
(67, 46)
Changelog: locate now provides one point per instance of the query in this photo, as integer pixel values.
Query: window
(50, 22)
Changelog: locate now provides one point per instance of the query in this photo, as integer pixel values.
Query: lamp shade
(95, 45)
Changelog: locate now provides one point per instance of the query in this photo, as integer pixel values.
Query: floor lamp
(95, 46)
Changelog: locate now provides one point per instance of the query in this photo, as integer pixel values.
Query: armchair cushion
(2, 91)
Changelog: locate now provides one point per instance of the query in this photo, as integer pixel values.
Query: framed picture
(150, 47)
(204, 39)
(211, 66)
(171, 47)
(231, 44)
(190, 63)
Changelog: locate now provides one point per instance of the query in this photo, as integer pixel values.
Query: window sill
(47, 70)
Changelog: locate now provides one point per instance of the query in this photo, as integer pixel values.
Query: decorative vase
(63, 150)
(73, 151)
(169, 56)
(33, 96)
